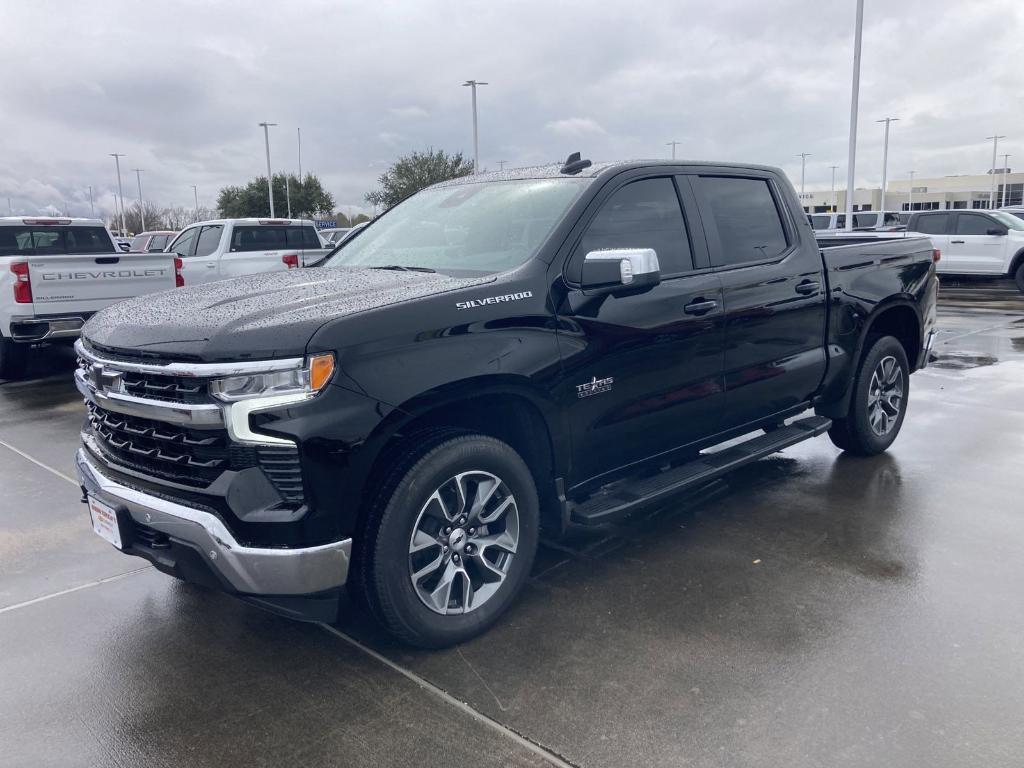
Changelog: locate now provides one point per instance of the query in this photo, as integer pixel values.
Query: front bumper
(300, 582)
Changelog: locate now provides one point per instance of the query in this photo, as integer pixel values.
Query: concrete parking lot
(812, 609)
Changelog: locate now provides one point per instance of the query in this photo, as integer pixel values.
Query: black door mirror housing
(996, 231)
(620, 270)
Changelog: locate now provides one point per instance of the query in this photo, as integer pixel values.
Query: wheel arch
(1015, 262)
(510, 408)
(898, 316)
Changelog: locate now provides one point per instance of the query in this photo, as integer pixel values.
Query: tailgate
(90, 282)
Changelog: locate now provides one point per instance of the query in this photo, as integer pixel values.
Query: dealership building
(923, 194)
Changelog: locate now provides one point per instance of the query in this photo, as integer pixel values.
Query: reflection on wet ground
(810, 609)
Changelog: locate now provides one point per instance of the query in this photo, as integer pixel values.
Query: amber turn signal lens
(320, 369)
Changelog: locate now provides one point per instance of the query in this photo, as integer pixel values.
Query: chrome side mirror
(619, 269)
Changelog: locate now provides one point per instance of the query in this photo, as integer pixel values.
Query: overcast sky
(179, 87)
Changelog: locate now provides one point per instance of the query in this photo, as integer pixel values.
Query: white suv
(975, 242)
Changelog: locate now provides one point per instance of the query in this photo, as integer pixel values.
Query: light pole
(885, 154)
(992, 192)
(833, 167)
(92, 209)
(803, 171)
(910, 196)
(120, 192)
(672, 144)
(476, 142)
(299, 133)
(501, 165)
(195, 195)
(1006, 170)
(142, 212)
(287, 196)
(851, 163)
(10, 208)
(270, 179)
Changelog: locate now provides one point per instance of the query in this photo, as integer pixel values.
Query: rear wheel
(878, 402)
(450, 541)
(13, 359)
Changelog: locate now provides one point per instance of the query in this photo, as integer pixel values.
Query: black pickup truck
(493, 361)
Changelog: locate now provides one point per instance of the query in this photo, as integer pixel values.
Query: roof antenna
(573, 164)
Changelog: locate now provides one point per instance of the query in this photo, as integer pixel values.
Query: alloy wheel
(885, 396)
(463, 543)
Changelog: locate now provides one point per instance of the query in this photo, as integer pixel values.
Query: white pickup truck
(55, 273)
(215, 250)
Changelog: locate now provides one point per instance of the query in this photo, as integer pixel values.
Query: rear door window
(642, 214)
(259, 238)
(821, 222)
(931, 223)
(865, 220)
(746, 218)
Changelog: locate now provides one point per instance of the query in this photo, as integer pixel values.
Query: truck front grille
(194, 458)
(189, 456)
(152, 386)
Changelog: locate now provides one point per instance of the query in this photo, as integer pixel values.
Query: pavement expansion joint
(541, 751)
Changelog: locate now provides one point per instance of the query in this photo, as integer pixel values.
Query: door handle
(958, 242)
(700, 307)
(808, 287)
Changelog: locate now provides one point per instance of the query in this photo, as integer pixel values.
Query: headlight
(299, 381)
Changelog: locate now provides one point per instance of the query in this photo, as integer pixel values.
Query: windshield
(1010, 220)
(473, 229)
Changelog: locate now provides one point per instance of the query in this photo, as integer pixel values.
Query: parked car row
(55, 273)
(878, 221)
(972, 242)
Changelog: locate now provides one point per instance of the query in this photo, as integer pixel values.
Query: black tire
(1018, 276)
(854, 433)
(13, 359)
(385, 563)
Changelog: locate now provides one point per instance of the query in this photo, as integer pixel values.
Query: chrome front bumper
(248, 570)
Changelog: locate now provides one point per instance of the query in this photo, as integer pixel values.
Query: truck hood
(258, 316)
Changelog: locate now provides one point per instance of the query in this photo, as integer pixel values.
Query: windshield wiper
(402, 268)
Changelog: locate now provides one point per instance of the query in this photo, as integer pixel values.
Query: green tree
(411, 173)
(308, 198)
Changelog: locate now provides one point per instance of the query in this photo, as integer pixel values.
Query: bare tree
(153, 220)
(179, 217)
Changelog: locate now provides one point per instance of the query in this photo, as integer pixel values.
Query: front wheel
(451, 540)
(878, 402)
(1018, 276)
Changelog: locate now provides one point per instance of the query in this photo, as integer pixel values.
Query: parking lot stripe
(68, 591)
(37, 462)
(463, 707)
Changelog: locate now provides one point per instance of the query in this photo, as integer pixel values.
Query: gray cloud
(179, 86)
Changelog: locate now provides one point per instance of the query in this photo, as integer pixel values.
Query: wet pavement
(812, 609)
